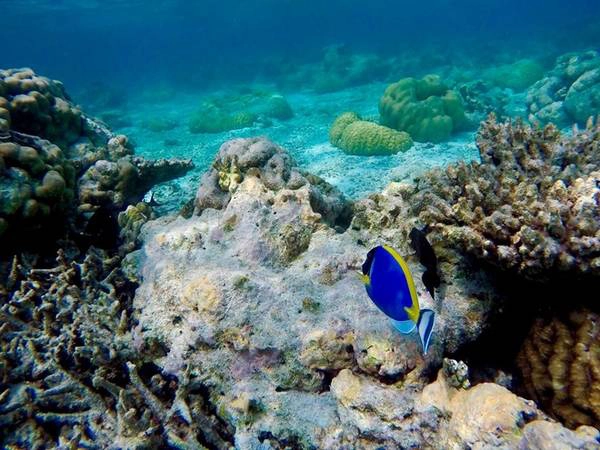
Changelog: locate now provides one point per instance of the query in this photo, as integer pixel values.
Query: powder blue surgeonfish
(391, 287)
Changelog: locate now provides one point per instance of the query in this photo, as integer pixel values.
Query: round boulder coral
(426, 109)
(361, 137)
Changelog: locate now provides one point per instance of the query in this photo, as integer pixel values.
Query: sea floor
(305, 136)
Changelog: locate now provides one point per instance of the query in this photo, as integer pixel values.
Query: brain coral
(532, 205)
(360, 137)
(560, 363)
(426, 109)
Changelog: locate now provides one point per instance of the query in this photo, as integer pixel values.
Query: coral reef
(125, 181)
(531, 206)
(259, 158)
(560, 364)
(570, 93)
(480, 98)
(72, 373)
(424, 108)
(270, 308)
(56, 162)
(490, 416)
(360, 137)
(234, 111)
(517, 76)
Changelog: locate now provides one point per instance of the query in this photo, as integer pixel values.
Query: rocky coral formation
(490, 416)
(360, 137)
(531, 206)
(424, 108)
(261, 159)
(74, 371)
(55, 161)
(270, 309)
(560, 363)
(517, 76)
(570, 93)
(235, 111)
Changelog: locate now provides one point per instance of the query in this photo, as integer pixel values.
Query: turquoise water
(131, 63)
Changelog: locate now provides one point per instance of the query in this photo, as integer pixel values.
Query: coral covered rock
(232, 112)
(426, 109)
(259, 291)
(532, 205)
(560, 363)
(56, 162)
(360, 137)
(570, 93)
(517, 76)
(490, 416)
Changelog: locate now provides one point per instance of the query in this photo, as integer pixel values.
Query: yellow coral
(361, 137)
(560, 363)
(230, 175)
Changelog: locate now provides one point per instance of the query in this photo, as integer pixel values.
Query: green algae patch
(242, 110)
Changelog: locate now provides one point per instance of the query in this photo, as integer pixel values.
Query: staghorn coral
(560, 364)
(71, 373)
(361, 137)
(532, 205)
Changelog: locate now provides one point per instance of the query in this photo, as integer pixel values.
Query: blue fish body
(390, 286)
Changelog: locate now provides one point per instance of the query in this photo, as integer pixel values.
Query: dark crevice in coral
(224, 430)
(525, 301)
(290, 443)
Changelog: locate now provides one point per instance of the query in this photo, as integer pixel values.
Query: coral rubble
(560, 363)
(532, 205)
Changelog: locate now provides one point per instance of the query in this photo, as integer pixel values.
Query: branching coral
(71, 371)
(560, 363)
(532, 205)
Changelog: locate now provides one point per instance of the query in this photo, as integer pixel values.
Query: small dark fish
(101, 230)
(427, 258)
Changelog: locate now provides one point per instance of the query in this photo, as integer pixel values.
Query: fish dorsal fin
(425, 327)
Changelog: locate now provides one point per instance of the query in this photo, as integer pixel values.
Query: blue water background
(194, 41)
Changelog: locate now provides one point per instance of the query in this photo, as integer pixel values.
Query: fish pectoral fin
(404, 326)
(425, 327)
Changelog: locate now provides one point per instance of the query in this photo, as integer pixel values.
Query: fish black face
(424, 250)
(366, 267)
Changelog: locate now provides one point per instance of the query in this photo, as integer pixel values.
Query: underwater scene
(278, 224)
